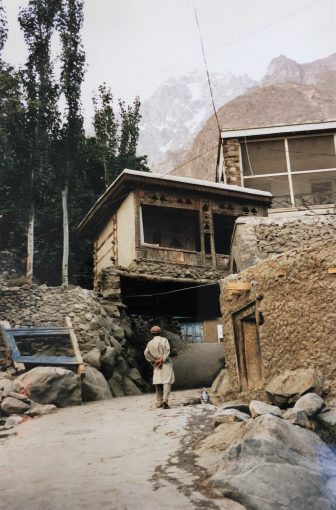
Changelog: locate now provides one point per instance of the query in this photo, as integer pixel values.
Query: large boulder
(94, 385)
(6, 386)
(289, 386)
(229, 416)
(258, 408)
(130, 388)
(328, 416)
(311, 403)
(221, 385)
(93, 358)
(297, 417)
(108, 358)
(51, 385)
(10, 405)
(235, 404)
(274, 464)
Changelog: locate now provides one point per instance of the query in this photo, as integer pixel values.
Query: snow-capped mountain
(179, 108)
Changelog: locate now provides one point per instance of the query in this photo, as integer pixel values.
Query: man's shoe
(165, 405)
(159, 404)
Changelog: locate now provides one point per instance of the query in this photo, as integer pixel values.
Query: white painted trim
(241, 165)
(321, 170)
(291, 192)
(294, 128)
(142, 236)
(221, 165)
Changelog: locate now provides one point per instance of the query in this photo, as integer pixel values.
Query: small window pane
(317, 188)
(277, 185)
(264, 157)
(312, 153)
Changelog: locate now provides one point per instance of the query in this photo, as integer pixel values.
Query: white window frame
(289, 173)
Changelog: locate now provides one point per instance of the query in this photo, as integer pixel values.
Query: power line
(171, 291)
(206, 67)
(190, 160)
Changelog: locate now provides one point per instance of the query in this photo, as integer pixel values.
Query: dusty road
(116, 455)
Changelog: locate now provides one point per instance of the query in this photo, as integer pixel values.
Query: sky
(135, 45)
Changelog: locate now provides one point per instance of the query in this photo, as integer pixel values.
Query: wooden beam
(74, 342)
(238, 286)
(19, 367)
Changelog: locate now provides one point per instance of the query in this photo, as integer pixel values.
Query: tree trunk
(30, 243)
(65, 260)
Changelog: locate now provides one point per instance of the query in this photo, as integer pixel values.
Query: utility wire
(206, 67)
(171, 291)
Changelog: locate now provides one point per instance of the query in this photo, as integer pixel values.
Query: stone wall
(257, 239)
(104, 333)
(295, 294)
(231, 152)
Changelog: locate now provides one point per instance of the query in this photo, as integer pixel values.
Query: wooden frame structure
(11, 335)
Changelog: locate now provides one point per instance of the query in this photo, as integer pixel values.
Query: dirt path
(114, 455)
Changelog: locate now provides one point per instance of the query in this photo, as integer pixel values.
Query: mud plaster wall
(298, 308)
(257, 239)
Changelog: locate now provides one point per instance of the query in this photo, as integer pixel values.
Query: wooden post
(74, 342)
(30, 243)
(65, 260)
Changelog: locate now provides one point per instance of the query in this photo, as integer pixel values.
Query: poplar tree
(106, 129)
(3, 27)
(72, 75)
(117, 141)
(38, 23)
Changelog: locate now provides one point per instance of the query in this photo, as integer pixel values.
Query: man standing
(157, 354)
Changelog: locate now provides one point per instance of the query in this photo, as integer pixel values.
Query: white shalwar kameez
(163, 377)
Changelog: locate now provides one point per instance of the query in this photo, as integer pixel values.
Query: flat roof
(280, 129)
(132, 179)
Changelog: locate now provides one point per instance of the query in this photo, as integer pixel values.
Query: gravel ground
(120, 454)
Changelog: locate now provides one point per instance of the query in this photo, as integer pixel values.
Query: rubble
(290, 385)
(258, 408)
(310, 403)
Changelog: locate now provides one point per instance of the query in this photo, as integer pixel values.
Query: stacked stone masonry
(231, 152)
(295, 295)
(103, 331)
(257, 239)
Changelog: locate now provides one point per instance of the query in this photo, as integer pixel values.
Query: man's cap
(155, 329)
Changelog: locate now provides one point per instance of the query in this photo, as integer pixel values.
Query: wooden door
(247, 346)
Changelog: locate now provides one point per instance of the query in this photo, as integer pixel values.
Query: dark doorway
(223, 228)
(247, 347)
(170, 298)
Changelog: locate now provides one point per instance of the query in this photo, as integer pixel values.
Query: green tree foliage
(38, 22)
(3, 27)
(42, 151)
(106, 129)
(117, 141)
(72, 74)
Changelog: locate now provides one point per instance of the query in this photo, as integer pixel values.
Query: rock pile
(266, 456)
(18, 403)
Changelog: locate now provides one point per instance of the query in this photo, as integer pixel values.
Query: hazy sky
(134, 45)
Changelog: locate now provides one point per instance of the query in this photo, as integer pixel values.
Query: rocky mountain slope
(179, 108)
(289, 93)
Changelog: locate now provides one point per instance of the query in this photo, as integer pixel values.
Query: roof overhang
(327, 126)
(130, 180)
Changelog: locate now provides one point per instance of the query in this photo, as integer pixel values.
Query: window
(223, 228)
(192, 332)
(167, 227)
(306, 177)
(266, 157)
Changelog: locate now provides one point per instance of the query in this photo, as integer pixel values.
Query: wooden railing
(178, 256)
